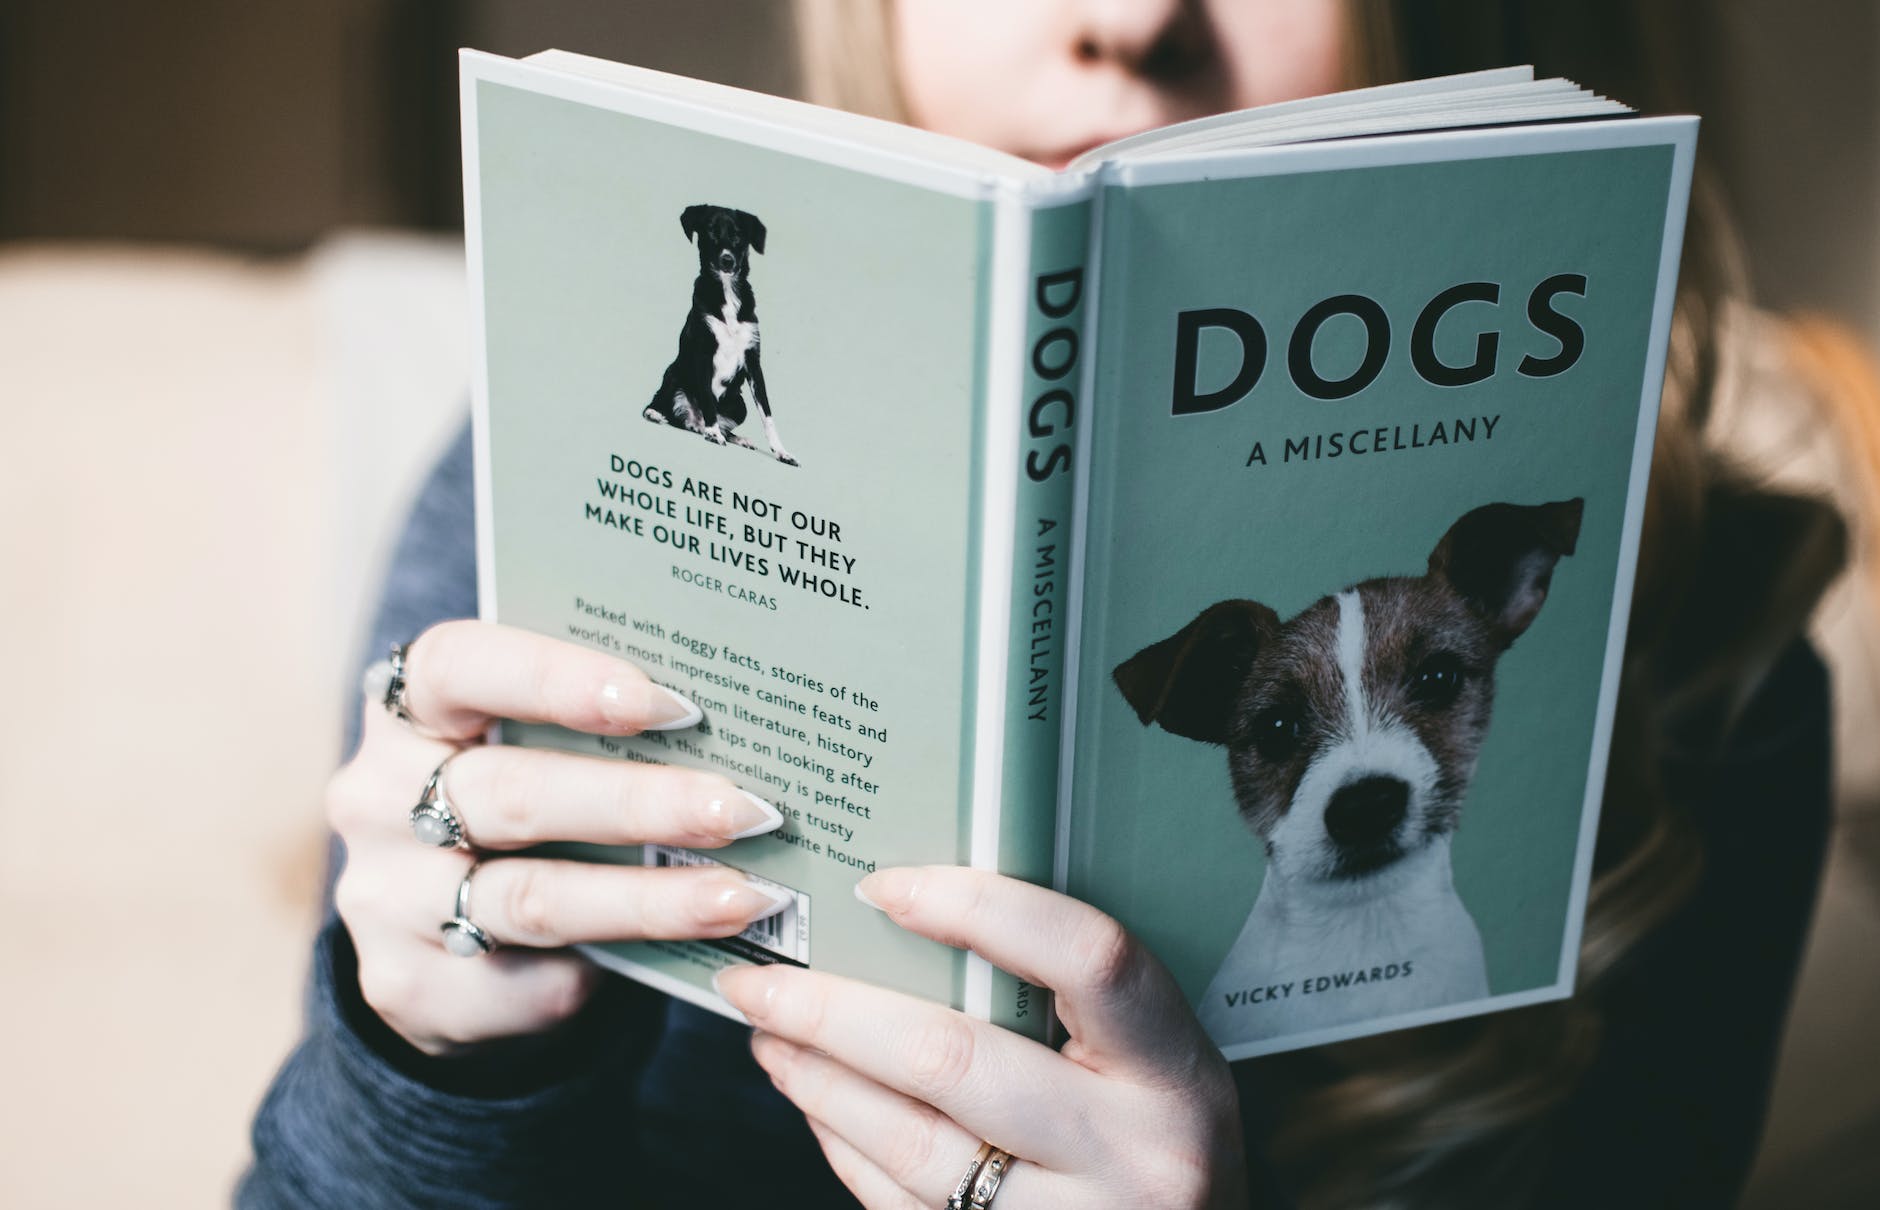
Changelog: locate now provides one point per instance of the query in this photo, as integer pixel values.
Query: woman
(523, 1078)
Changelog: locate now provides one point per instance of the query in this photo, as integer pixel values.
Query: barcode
(784, 936)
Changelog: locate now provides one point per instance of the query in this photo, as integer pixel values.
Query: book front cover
(729, 435)
(1364, 486)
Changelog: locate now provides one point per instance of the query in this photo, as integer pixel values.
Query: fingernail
(742, 815)
(732, 982)
(763, 1046)
(748, 902)
(673, 711)
(888, 890)
(648, 707)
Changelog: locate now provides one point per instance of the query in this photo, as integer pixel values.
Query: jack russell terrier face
(1352, 730)
(725, 237)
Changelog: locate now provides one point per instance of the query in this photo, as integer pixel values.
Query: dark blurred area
(264, 125)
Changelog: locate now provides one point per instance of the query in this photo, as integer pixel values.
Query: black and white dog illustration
(703, 390)
(1352, 733)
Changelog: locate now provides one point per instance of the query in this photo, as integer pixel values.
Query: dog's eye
(1437, 681)
(1275, 732)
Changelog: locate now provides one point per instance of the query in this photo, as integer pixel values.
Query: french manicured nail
(742, 815)
(747, 902)
(888, 890)
(648, 707)
(735, 985)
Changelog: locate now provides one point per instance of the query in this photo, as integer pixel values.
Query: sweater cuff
(360, 1117)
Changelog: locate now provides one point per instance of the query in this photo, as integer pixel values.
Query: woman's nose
(1154, 38)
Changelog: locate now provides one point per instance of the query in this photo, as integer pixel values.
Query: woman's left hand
(1138, 1109)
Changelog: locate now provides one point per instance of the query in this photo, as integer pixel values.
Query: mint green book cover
(814, 533)
(1362, 487)
(1243, 539)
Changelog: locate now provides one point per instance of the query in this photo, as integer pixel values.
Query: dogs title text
(1053, 410)
(1544, 315)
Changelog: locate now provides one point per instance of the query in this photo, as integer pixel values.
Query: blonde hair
(846, 49)
(1455, 1113)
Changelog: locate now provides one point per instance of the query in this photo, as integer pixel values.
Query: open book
(1235, 529)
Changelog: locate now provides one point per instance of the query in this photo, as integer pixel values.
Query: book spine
(1050, 409)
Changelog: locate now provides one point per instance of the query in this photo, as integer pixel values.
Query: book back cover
(728, 431)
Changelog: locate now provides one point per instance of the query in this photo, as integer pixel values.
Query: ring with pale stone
(433, 820)
(462, 936)
(385, 681)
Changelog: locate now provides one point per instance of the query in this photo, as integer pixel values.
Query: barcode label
(783, 937)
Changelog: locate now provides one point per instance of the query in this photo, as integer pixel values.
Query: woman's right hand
(395, 892)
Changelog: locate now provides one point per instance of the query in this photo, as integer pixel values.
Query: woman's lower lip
(1058, 161)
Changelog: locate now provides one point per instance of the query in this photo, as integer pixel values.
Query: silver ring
(463, 937)
(385, 680)
(395, 686)
(964, 1188)
(991, 1173)
(433, 820)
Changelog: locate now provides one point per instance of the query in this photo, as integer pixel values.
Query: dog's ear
(753, 229)
(1188, 682)
(1501, 557)
(694, 219)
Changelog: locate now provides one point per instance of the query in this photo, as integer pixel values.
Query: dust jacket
(1235, 529)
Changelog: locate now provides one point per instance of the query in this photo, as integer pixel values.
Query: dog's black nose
(727, 262)
(1366, 811)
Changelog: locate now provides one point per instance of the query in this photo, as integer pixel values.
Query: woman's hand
(1137, 1110)
(395, 892)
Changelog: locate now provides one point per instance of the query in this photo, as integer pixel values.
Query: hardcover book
(1234, 529)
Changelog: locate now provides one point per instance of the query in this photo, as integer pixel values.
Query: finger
(459, 676)
(379, 729)
(1120, 1004)
(991, 1081)
(441, 1004)
(918, 1148)
(509, 798)
(404, 890)
(872, 1187)
(541, 903)
(531, 901)
(369, 799)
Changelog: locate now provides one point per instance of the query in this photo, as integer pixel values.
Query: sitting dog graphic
(703, 389)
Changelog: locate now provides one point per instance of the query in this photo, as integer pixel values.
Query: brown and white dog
(1352, 733)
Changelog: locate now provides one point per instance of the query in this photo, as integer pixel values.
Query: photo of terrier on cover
(1352, 733)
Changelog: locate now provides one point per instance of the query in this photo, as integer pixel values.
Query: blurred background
(232, 333)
